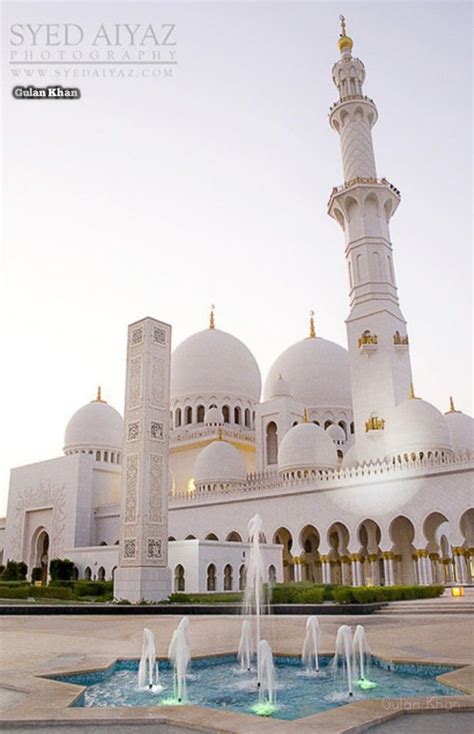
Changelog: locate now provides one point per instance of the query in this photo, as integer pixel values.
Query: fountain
(148, 664)
(266, 705)
(311, 644)
(362, 653)
(344, 652)
(245, 646)
(180, 656)
(254, 594)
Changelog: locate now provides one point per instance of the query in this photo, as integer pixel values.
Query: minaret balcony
(368, 343)
(374, 424)
(361, 183)
(400, 342)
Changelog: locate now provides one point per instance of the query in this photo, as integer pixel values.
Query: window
(226, 413)
(272, 443)
(188, 413)
(228, 578)
(247, 418)
(211, 577)
(200, 414)
(179, 579)
(237, 416)
(177, 417)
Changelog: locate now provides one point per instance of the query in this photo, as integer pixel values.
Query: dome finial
(312, 330)
(99, 396)
(212, 324)
(305, 416)
(411, 394)
(452, 408)
(344, 41)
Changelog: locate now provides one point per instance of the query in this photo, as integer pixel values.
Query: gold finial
(411, 394)
(305, 416)
(344, 40)
(99, 396)
(212, 324)
(312, 330)
(452, 408)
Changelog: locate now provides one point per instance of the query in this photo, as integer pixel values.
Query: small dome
(336, 432)
(306, 446)
(280, 389)
(415, 426)
(213, 362)
(219, 462)
(94, 426)
(213, 416)
(461, 429)
(318, 372)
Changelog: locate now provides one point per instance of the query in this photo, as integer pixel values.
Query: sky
(159, 195)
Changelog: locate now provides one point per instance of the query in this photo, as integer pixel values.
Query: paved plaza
(32, 646)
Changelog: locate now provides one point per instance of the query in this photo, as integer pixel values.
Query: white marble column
(143, 573)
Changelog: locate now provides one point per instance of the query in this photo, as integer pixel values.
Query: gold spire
(99, 396)
(344, 40)
(452, 409)
(312, 330)
(411, 394)
(212, 324)
(305, 416)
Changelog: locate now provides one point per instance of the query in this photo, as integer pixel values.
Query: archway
(436, 545)
(101, 574)
(234, 537)
(179, 578)
(87, 573)
(228, 577)
(338, 539)
(402, 533)
(211, 577)
(211, 536)
(466, 526)
(41, 554)
(242, 577)
(309, 541)
(283, 537)
(369, 536)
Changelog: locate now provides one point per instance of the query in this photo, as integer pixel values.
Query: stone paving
(35, 645)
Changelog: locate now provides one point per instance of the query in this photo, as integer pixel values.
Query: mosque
(356, 478)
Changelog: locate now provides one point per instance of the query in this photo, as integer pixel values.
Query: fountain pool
(220, 683)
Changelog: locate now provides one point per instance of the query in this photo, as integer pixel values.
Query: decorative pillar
(356, 569)
(326, 569)
(143, 573)
(346, 570)
(388, 567)
(398, 558)
(373, 560)
(459, 565)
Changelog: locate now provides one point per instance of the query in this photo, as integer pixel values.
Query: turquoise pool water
(218, 682)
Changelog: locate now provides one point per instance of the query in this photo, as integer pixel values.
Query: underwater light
(264, 708)
(365, 684)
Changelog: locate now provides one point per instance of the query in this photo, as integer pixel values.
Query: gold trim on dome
(312, 330)
(452, 409)
(344, 40)
(374, 424)
(99, 396)
(212, 323)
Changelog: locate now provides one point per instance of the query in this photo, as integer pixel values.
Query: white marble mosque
(357, 479)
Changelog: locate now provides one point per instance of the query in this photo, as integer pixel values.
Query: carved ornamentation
(154, 548)
(131, 488)
(135, 389)
(137, 336)
(157, 382)
(156, 484)
(156, 430)
(51, 495)
(130, 548)
(159, 335)
(133, 431)
(374, 424)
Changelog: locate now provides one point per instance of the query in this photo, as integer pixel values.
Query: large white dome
(94, 426)
(461, 429)
(308, 447)
(318, 372)
(213, 362)
(416, 426)
(219, 462)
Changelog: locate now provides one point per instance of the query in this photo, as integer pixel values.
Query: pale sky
(157, 197)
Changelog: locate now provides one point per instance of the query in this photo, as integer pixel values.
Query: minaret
(363, 206)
